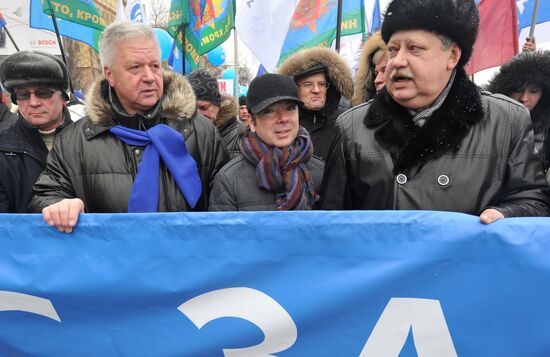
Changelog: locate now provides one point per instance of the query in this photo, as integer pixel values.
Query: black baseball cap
(268, 89)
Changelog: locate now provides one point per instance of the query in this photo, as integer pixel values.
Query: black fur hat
(455, 19)
(33, 68)
(526, 68)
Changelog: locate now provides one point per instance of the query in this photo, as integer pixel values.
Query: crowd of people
(413, 132)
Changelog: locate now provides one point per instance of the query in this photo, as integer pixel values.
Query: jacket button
(185, 130)
(401, 179)
(443, 180)
(137, 151)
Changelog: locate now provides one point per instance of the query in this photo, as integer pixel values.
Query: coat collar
(412, 146)
(177, 103)
(229, 109)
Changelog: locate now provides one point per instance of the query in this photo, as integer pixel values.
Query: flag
(2, 20)
(497, 40)
(218, 17)
(39, 20)
(525, 15)
(77, 11)
(135, 12)
(376, 23)
(174, 61)
(313, 24)
(120, 12)
(262, 26)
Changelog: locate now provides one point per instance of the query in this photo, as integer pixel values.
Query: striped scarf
(283, 170)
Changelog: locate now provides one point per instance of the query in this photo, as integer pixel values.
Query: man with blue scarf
(142, 146)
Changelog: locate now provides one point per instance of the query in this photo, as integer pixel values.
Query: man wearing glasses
(323, 77)
(39, 85)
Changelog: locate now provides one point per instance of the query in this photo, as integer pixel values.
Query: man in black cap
(221, 109)
(39, 84)
(323, 78)
(431, 140)
(276, 170)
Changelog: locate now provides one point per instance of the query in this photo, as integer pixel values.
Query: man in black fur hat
(39, 83)
(526, 78)
(431, 140)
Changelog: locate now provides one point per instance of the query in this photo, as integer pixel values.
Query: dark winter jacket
(475, 152)
(236, 189)
(320, 123)
(7, 118)
(529, 68)
(91, 163)
(22, 158)
(228, 125)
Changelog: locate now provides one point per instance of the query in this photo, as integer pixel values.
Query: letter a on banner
(424, 317)
(272, 319)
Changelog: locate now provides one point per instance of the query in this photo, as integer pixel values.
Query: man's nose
(400, 58)
(148, 74)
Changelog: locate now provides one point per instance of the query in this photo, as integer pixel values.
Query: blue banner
(276, 283)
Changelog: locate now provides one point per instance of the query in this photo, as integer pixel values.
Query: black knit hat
(242, 100)
(268, 89)
(455, 19)
(205, 86)
(33, 68)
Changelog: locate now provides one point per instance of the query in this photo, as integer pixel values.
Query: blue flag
(376, 23)
(174, 61)
(38, 19)
(525, 12)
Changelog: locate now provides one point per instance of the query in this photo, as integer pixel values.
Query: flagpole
(534, 19)
(183, 25)
(338, 25)
(236, 85)
(11, 38)
(54, 20)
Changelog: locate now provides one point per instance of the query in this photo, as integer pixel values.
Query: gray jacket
(235, 187)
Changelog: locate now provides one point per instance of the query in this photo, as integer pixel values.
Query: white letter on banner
(425, 318)
(252, 305)
(11, 301)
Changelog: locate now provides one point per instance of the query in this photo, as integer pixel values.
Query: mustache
(400, 73)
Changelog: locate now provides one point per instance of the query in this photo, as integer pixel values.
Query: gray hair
(446, 42)
(122, 31)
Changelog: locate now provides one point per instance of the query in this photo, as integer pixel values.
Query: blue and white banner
(360, 283)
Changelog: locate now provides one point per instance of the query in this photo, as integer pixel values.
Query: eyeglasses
(310, 85)
(42, 93)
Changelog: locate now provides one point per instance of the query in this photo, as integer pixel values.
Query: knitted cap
(269, 89)
(33, 68)
(455, 19)
(205, 86)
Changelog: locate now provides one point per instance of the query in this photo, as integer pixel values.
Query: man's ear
(456, 53)
(109, 76)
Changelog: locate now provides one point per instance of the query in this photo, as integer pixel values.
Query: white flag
(135, 12)
(262, 25)
(120, 13)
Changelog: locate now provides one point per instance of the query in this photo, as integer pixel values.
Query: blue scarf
(165, 142)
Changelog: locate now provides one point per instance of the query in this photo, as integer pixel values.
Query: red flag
(497, 40)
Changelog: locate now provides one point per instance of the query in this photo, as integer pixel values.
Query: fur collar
(228, 111)
(413, 146)
(178, 101)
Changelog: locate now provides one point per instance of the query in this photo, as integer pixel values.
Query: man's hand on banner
(63, 214)
(490, 215)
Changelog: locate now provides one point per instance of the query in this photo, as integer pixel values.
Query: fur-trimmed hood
(178, 101)
(338, 71)
(526, 68)
(229, 109)
(364, 78)
(442, 133)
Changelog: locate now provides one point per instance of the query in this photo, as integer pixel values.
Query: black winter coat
(475, 152)
(91, 163)
(22, 158)
(236, 189)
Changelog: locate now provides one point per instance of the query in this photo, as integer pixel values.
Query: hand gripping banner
(360, 283)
